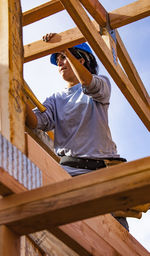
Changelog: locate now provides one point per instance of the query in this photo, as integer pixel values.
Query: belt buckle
(111, 162)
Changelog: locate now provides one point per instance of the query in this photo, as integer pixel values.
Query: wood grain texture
(9, 242)
(11, 74)
(42, 11)
(100, 192)
(129, 13)
(96, 10)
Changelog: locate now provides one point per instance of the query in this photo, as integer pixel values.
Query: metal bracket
(112, 33)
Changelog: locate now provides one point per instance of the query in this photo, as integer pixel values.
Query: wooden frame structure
(62, 200)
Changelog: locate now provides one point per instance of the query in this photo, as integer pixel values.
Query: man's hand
(48, 37)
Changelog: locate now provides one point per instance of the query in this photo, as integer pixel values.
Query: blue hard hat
(83, 47)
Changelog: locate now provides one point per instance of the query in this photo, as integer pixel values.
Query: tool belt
(90, 164)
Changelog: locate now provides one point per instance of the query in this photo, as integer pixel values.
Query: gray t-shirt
(79, 117)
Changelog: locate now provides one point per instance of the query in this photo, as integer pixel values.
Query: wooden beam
(116, 236)
(129, 13)
(9, 242)
(131, 70)
(50, 244)
(118, 188)
(100, 15)
(87, 28)
(11, 77)
(45, 146)
(9, 184)
(42, 11)
(59, 42)
(96, 10)
(104, 229)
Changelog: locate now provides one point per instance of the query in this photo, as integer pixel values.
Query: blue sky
(128, 132)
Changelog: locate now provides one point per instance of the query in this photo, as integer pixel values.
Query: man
(79, 114)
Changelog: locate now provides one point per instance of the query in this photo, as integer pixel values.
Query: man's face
(64, 67)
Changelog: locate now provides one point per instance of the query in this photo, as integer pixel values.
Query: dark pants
(93, 165)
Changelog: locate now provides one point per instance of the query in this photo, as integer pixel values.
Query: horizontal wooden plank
(129, 13)
(42, 11)
(58, 42)
(118, 188)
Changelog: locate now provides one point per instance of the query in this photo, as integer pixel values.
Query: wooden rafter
(100, 15)
(42, 11)
(129, 13)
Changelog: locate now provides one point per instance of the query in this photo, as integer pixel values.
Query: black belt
(86, 163)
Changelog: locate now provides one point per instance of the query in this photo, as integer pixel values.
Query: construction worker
(79, 114)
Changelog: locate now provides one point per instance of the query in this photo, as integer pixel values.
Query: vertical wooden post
(9, 242)
(11, 73)
(11, 97)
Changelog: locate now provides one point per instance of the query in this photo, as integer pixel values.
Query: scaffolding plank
(101, 192)
(129, 13)
(42, 11)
